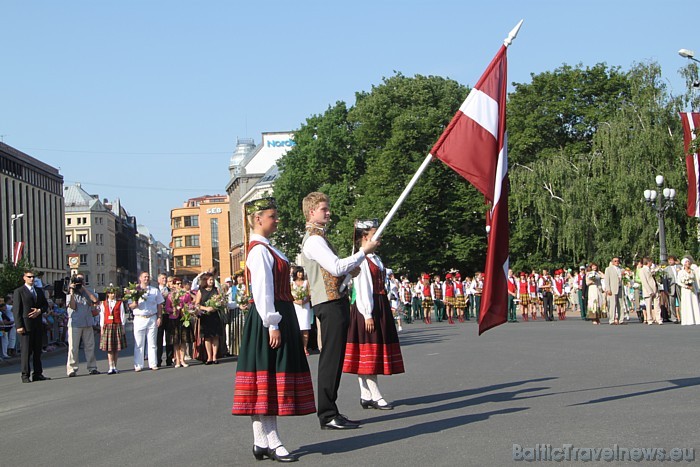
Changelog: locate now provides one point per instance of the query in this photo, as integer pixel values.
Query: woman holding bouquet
(595, 294)
(210, 328)
(112, 319)
(690, 310)
(271, 354)
(302, 298)
(373, 344)
(180, 322)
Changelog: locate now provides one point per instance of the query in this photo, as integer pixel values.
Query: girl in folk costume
(534, 297)
(594, 280)
(460, 300)
(427, 297)
(448, 291)
(560, 298)
(373, 344)
(302, 304)
(477, 288)
(272, 377)
(180, 335)
(112, 319)
(524, 296)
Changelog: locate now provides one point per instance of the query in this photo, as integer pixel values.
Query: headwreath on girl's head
(260, 204)
(367, 224)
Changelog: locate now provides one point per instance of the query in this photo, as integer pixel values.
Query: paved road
(464, 400)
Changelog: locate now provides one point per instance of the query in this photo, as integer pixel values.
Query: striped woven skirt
(524, 299)
(377, 353)
(427, 303)
(113, 338)
(272, 381)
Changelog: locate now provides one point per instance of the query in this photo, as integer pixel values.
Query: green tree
(11, 275)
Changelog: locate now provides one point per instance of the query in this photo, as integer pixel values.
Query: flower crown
(367, 224)
(261, 204)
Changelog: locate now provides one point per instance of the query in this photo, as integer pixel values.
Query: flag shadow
(676, 384)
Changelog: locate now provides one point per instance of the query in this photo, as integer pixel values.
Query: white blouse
(261, 265)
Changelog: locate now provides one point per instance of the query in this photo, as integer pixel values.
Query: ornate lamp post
(661, 202)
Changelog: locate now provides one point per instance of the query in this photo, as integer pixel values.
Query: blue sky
(144, 100)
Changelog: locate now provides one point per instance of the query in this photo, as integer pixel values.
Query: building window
(83, 260)
(179, 261)
(69, 239)
(85, 220)
(215, 240)
(192, 260)
(191, 221)
(68, 220)
(177, 222)
(177, 242)
(192, 240)
(82, 239)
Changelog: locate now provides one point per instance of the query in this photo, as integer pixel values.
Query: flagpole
(401, 199)
(512, 34)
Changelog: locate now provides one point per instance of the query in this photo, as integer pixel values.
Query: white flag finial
(512, 34)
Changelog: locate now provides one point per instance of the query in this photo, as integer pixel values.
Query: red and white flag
(17, 252)
(691, 130)
(475, 146)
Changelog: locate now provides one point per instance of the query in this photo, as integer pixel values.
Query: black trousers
(169, 352)
(334, 317)
(31, 342)
(548, 305)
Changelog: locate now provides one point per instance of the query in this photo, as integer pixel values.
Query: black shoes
(25, 379)
(375, 405)
(262, 453)
(94, 372)
(340, 422)
(40, 378)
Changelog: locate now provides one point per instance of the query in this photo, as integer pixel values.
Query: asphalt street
(464, 400)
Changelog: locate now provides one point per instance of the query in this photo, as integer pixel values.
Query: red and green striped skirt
(273, 381)
(376, 353)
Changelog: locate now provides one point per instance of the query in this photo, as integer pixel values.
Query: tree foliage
(584, 143)
(11, 275)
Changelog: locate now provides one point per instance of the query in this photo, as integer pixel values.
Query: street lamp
(689, 54)
(13, 218)
(666, 196)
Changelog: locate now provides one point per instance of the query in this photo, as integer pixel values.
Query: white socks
(269, 425)
(369, 389)
(259, 437)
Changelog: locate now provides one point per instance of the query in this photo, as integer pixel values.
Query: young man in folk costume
(523, 295)
(436, 294)
(406, 297)
(477, 289)
(460, 300)
(427, 303)
(469, 296)
(417, 300)
(560, 298)
(329, 300)
(512, 297)
(545, 286)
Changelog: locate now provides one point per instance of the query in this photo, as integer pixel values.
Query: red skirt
(378, 353)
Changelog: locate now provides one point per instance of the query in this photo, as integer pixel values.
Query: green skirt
(273, 381)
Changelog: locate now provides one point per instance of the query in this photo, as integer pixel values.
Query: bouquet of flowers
(299, 292)
(187, 314)
(688, 282)
(176, 298)
(242, 298)
(659, 274)
(134, 292)
(217, 302)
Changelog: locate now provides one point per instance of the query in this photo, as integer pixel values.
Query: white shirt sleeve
(364, 298)
(316, 249)
(261, 265)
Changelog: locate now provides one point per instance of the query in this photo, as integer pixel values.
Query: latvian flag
(691, 130)
(475, 146)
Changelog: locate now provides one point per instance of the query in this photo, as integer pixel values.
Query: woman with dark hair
(302, 298)
(272, 377)
(210, 328)
(373, 344)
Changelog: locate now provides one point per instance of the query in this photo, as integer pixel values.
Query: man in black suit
(29, 304)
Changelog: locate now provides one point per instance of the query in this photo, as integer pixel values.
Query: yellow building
(200, 237)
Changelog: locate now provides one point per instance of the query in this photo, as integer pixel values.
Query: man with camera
(81, 315)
